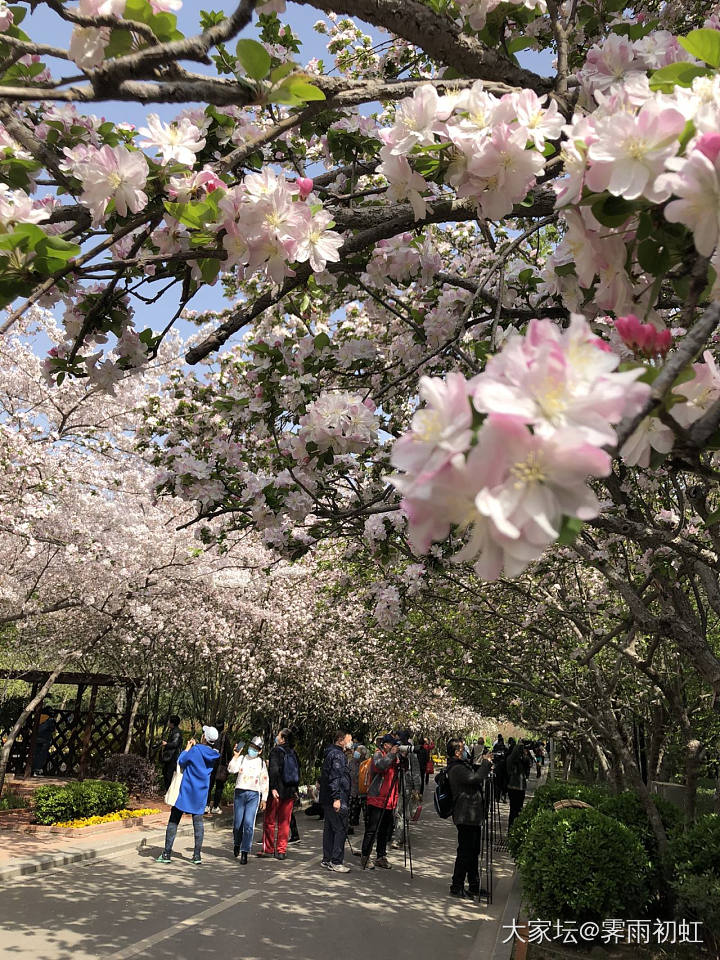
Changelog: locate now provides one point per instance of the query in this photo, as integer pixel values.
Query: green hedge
(89, 798)
(580, 865)
(696, 872)
(543, 799)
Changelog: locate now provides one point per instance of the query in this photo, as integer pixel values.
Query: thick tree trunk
(694, 754)
(20, 723)
(636, 782)
(136, 698)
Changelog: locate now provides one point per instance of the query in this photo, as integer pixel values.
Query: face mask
(350, 746)
(466, 753)
(277, 739)
(253, 752)
(356, 754)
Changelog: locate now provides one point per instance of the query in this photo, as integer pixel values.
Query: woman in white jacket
(251, 790)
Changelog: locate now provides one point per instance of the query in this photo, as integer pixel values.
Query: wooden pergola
(36, 678)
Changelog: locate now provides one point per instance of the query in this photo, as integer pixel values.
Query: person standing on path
(467, 782)
(219, 776)
(518, 770)
(284, 775)
(335, 786)
(171, 750)
(423, 755)
(196, 763)
(382, 799)
(251, 792)
(356, 801)
(500, 754)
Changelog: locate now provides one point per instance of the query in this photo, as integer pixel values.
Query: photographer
(467, 782)
(171, 750)
(410, 788)
(518, 767)
(382, 799)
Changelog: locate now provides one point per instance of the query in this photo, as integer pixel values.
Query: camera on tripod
(403, 749)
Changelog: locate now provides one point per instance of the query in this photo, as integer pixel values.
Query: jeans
(277, 812)
(517, 798)
(466, 861)
(246, 805)
(334, 833)
(198, 829)
(379, 825)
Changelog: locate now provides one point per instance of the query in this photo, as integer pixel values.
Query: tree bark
(136, 698)
(694, 754)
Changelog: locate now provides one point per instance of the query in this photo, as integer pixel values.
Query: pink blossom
(165, 6)
(87, 46)
(699, 393)
(440, 431)
(176, 141)
(558, 380)
(631, 151)
(414, 121)
(112, 173)
(651, 434)
(696, 182)
(319, 245)
(6, 16)
(305, 186)
(405, 183)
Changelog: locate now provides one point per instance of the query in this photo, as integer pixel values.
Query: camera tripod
(406, 826)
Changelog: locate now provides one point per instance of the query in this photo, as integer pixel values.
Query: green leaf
(703, 44)
(612, 211)
(520, 43)
(653, 257)
(295, 90)
(18, 15)
(119, 44)
(196, 214)
(163, 25)
(253, 58)
(712, 518)
(679, 74)
(571, 527)
(209, 269)
(322, 340)
(279, 73)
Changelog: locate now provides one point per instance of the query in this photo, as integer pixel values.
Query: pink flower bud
(305, 185)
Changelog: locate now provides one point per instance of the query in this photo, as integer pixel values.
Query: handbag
(173, 790)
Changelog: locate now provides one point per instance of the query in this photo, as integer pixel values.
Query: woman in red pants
(284, 773)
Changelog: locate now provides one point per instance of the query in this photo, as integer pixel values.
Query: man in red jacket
(382, 799)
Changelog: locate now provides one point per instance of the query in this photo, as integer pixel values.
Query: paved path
(125, 905)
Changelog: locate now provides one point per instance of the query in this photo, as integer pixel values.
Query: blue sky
(45, 26)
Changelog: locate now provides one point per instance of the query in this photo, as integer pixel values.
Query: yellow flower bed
(108, 818)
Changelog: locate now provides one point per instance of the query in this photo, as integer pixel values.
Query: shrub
(12, 801)
(578, 864)
(90, 798)
(140, 775)
(696, 872)
(543, 799)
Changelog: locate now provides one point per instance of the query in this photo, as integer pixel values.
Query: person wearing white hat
(196, 762)
(251, 790)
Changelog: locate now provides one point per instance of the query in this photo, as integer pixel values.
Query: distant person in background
(518, 767)
(500, 755)
(430, 768)
(423, 754)
(196, 762)
(359, 756)
(171, 750)
(43, 740)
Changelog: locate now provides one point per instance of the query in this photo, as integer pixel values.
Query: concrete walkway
(122, 904)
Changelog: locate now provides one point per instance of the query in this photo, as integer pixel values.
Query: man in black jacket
(171, 749)
(467, 786)
(335, 799)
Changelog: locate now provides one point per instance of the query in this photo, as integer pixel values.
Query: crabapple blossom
(643, 337)
(6, 16)
(111, 173)
(699, 393)
(178, 141)
(340, 421)
(696, 183)
(405, 183)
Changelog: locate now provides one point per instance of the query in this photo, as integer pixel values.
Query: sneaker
(163, 858)
(325, 864)
(280, 856)
(207, 809)
(382, 862)
(457, 892)
(339, 868)
(196, 860)
(365, 863)
(216, 810)
(294, 840)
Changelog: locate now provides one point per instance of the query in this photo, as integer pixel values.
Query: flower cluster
(476, 11)
(551, 398)
(342, 422)
(495, 144)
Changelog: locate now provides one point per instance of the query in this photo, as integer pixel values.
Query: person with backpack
(284, 777)
(357, 798)
(466, 782)
(171, 750)
(382, 798)
(251, 791)
(196, 762)
(335, 786)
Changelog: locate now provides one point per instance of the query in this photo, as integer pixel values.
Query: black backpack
(442, 798)
(291, 768)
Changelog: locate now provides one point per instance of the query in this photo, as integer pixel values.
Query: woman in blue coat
(196, 762)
